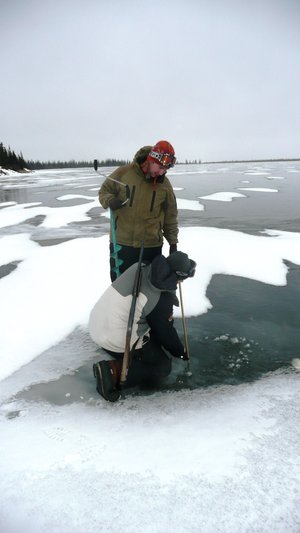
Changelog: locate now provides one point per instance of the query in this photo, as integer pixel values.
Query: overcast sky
(219, 79)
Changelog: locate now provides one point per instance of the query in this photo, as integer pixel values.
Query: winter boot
(107, 374)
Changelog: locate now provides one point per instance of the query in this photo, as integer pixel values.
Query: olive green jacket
(151, 211)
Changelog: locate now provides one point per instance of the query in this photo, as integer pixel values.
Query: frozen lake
(233, 427)
(252, 327)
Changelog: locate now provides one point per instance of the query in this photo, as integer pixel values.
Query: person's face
(156, 170)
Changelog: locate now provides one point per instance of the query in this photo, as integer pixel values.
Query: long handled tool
(135, 293)
(116, 247)
(112, 179)
(188, 370)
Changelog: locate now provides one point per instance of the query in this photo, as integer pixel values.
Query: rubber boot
(107, 374)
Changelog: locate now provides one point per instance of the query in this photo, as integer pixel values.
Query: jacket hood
(161, 275)
(141, 155)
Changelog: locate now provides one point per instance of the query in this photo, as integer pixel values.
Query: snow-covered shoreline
(10, 172)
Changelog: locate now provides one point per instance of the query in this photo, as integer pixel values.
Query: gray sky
(219, 79)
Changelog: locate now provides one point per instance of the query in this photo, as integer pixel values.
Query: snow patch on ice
(222, 196)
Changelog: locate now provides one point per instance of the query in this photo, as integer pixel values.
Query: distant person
(145, 210)
(153, 329)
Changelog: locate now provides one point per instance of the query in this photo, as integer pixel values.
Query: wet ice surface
(217, 451)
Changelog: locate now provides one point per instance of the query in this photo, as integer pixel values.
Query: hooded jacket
(154, 310)
(151, 211)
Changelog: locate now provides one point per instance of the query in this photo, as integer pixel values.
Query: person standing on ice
(153, 329)
(144, 206)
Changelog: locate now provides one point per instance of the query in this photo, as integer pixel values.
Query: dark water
(253, 327)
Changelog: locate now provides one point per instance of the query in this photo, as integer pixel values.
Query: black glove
(173, 248)
(115, 203)
(184, 356)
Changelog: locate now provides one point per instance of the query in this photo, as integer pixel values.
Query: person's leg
(129, 256)
(150, 365)
(150, 253)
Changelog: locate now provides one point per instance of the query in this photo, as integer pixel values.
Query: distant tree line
(37, 165)
(113, 162)
(9, 159)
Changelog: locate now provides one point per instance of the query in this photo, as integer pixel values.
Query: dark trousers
(129, 256)
(149, 365)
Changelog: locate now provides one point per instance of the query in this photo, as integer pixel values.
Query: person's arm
(108, 192)
(114, 194)
(162, 327)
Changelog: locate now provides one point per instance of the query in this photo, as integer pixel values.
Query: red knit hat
(163, 153)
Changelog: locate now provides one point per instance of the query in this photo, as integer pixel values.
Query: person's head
(181, 265)
(160, 158)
